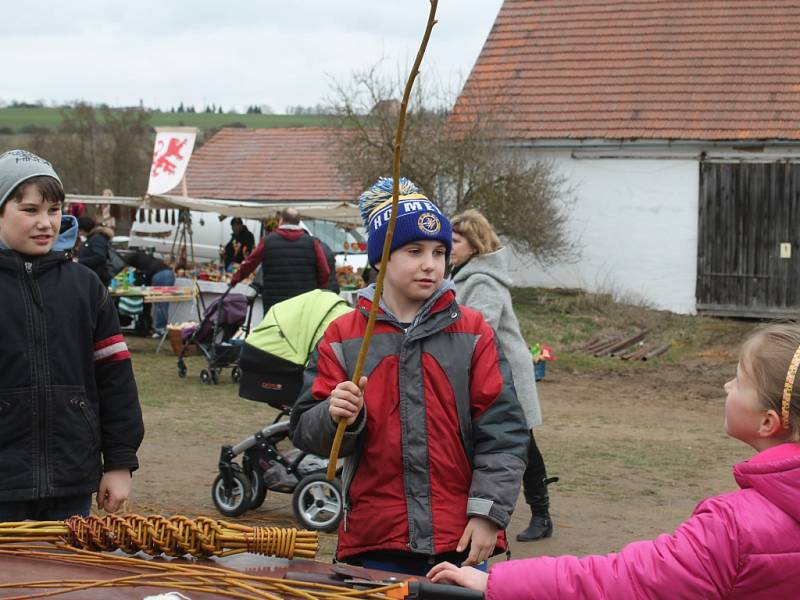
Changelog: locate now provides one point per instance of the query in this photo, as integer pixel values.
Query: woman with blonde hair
(480, 274)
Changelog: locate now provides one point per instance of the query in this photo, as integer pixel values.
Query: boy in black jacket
(70, 420)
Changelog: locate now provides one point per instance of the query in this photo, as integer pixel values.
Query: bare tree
(128, 141)
(73, 148)
(461, 163)
(93, 149)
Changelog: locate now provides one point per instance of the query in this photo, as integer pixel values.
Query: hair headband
(788, 386)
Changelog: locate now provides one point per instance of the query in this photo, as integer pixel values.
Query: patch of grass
(569, 318)
(18, 119)
(161, 388)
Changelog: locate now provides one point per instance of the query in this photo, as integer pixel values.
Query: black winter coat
(95, 253)
(288, 268)
(69, 408)
(333, 281)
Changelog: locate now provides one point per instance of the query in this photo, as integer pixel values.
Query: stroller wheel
(236, 374)
(317, 503)
(235, 501)
(258, 489)
(205, 377)
(215, 376)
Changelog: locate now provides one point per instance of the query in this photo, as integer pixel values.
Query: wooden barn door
(748, 261)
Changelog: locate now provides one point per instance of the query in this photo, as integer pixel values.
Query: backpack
(114, 264)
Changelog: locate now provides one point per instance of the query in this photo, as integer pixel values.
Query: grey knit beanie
(17, 166)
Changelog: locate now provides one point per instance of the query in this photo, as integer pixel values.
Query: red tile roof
(659, 69)
(292, 164)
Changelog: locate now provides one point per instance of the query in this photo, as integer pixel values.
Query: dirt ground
(635, 449)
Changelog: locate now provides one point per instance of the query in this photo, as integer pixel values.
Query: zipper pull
(29, 268)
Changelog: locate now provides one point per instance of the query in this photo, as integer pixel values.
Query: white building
(677, 125)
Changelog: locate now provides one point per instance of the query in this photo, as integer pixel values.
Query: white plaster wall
(634, 222)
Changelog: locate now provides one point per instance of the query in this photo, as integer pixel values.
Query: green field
(15, 119)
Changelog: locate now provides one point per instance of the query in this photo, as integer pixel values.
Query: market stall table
(155, 294)
(175, 295)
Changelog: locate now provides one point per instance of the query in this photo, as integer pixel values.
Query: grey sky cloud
(230, 53)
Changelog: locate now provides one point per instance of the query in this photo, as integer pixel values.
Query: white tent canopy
(343, 213)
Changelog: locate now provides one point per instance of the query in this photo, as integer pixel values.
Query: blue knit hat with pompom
(417, 218)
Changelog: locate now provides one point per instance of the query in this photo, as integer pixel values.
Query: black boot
(541, 525)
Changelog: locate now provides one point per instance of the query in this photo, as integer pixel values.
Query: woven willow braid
(177, 536)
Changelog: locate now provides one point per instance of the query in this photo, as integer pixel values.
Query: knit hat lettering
(382, 217)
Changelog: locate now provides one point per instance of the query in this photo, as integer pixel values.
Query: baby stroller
(213, 337)
(272, 362)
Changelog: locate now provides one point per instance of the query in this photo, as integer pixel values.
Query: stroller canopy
(292, 328)
(231, 316)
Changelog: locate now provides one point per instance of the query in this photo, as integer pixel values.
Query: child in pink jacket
(744, 544)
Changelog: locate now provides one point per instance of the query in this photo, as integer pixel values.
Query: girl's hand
(115, 487)
(481, 536)
(346, 401)
(465, 576)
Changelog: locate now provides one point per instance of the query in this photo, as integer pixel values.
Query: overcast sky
(228, 52)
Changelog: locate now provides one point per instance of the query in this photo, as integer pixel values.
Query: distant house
(386, 108)
(678, 125)
(292, 165)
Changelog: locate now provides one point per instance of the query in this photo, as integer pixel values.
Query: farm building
(260, 171)
(677, 125)
(279, 165)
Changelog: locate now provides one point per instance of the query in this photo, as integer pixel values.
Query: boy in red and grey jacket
(434, 447)
(70, 421)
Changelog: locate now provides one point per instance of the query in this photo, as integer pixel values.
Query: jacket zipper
(416, 333)
(40, 385)
(412, 543)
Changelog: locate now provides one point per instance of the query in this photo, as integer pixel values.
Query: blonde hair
(477, 230)
(766, 357)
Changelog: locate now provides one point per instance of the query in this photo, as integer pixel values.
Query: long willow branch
(387, 242)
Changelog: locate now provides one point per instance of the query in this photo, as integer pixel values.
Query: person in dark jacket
(330, 257)
(155, 272)
(241, 243)
(70, 420)
(292, 261)
(95, 253)
(85, 225)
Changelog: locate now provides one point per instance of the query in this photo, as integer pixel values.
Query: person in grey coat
(480, 274)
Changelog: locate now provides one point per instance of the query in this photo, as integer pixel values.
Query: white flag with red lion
(171, 154)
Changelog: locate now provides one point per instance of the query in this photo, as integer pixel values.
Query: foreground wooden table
(19, 569)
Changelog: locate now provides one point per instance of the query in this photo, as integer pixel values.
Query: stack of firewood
(627, 346)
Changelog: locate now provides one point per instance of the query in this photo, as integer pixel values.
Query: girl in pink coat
(744, 544)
